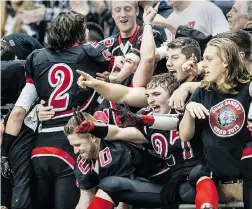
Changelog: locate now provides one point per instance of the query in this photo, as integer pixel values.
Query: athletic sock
(206, 194)
(99, 203)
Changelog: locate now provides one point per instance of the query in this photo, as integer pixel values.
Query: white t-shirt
(201, 15)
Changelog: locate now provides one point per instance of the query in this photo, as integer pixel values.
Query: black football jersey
(118, 46)
(167, 144)
(224, 132)
(55, 78)
(13, 81)
(115, 159)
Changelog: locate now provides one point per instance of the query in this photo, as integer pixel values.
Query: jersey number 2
(60, 77)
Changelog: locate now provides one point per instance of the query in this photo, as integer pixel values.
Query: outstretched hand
(85, 80)
(197, 110)
(127, 118)
(191, 66)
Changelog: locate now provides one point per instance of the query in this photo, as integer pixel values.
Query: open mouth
(173, 72)
(123, 21)
(117, 69)
(156, 108)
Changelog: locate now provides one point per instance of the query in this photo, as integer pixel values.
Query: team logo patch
(94, 44)
(106, 54)
(227, 118)
(109, 42)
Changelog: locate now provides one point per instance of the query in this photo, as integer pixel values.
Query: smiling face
(124, 14)
(123, 67)
(235, 17)
(214, 66)
(175, 60)
(84, 144)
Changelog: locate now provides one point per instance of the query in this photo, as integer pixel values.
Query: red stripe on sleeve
(29, 80)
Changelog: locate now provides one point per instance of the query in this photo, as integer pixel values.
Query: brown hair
(135, 51)
(187, 45)
(236, 73)
(164, 80)
(67, 29)
(243, 40)
(72, 124)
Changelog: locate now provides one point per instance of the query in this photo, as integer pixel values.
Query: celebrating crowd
(156, 115)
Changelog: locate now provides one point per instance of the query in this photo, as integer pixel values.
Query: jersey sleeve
(29, 92)
(86, 177)
(100, 53)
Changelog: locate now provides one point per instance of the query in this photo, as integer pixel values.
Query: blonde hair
(134, 3)
(236, 73)
(72, 124)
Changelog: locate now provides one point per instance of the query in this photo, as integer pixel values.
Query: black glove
(127, 118)
(5, 167)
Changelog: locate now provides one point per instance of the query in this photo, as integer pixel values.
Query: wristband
(149, 23)
(8, 139)
(147, 119)
(100, 130)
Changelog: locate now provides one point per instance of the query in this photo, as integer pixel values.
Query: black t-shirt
(55, 79)
(115, 159)
(224, 132)
(13, 81)
(168, 146)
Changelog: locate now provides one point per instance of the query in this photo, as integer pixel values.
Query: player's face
(124, 14)
(123, 67)
(235, 18)
(83, 144)
(158, 99)
(175, 61)
(214, 66)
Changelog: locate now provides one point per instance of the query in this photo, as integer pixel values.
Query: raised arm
(146, 66)
(134, 97)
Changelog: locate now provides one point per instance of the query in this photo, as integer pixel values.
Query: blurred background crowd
(34, 17)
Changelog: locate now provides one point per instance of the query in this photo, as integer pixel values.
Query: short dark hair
(7, 53)
(95, 32)
(67, 29)
(135, 51)
(187, 45)
(165, 80)
(242, 39)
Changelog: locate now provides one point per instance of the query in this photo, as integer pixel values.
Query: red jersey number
(83, 165)
(60, 77)
(105, 157)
